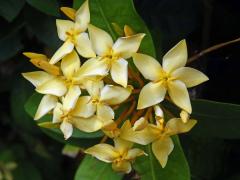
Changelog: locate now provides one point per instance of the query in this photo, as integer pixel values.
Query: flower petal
(179, 95)
(105, 112)
(114, 95)
(54, 86)
(151, 94)
(67, 129)
(83, 46)
(47, 103)
(82, 16)
(122, 145)
(126, 46)
(122, 166)
(65, 49)
(149, 67)
(84, 107)
(119, 72)
(161, 149)
(103, 152)
(143, 137)
(94, 88)
(92, 67)
(176, 126)
(37, 78)
(90, 124)
(70, 64)
(63, 26)
(176, 57)
(70, 99)
(57, 113)
(133, 153)
(191, 77)
(100, 39)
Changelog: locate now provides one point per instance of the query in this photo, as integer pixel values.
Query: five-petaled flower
(73, 33)
(158, 134)
(121, 155)
(171, 77)
(114, 55)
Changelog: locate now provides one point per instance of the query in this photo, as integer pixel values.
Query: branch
(213, 48)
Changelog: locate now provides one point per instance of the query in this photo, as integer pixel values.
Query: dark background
(203, 23)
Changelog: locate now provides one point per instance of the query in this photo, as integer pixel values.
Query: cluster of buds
(84, 95)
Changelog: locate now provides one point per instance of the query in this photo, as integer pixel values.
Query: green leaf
(26, 170)
(10, 43)
(19, 94)
(43, 27)
(9, 9)
(106, 12)
(216, 119)
(31, 107)
(49, 7)
(93, 169)
(148, 168)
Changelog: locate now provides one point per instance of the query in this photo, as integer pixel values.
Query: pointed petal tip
(142, 35)
(26, 54)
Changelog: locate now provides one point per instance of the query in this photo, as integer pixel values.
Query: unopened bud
(140, 124)
(184, 116)
(158, 111)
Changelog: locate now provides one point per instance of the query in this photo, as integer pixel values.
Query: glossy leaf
(10, 9)
(11, 43)
(44, 28)
(49, 7)
(216, 119)
(20, 117)
(93, 169)
(148, 168)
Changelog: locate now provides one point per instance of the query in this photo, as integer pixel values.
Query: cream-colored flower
(114, 55)
(172, 77)
(159, 135)
(73, 76)
(121, 155)
(65, 113)
(100, 100)
(73, 34)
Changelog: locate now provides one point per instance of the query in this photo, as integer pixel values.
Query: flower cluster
(86, 94)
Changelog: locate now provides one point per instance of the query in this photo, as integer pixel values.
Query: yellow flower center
(95, 100)
(66, 117)
(72, 34)
(110, 57)
(69, 82)
(121, 157)
(165, 78)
